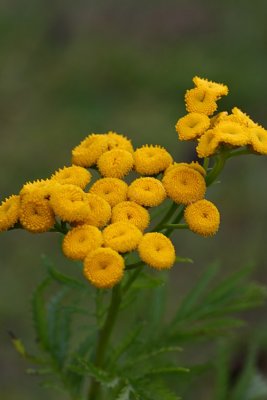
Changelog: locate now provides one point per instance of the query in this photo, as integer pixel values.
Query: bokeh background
(71, 68)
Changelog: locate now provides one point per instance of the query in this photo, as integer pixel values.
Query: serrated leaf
(100, 375)
(59, 320)
(124, 393)
(154, 353)
(168, 370)
(153, 389)
(125, 343)
(195, 294)
(40, 315)
(62, 278)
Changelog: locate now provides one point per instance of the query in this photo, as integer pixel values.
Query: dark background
(71, 68)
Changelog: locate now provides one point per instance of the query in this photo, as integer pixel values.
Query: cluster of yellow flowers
(215, 132)
(107, 219)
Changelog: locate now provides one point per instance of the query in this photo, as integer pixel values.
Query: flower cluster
(216, 132)
(104, 220)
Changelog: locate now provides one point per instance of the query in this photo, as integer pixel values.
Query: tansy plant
(118, 232)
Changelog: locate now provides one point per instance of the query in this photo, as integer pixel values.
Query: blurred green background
(71, 68)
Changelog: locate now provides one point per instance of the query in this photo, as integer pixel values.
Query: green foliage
(145, 360)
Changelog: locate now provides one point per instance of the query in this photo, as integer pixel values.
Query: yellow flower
(115, 163)
(150, 160)
(118, 141)
(221, 116)
(99, 210)
(192, 125)
(194, 165)
(243, 118)
(9, 212)
(41, 189)
(219, 88)
(258, 139)
(202, 217)
(156, 250)
(231, 133)
(103, 267)
(200, 100)
(207, 144)
(113, 190)
(129, 211)
(36, 215)
(69, 203)
(73, 175)
(184, 185)
(148, 192)
(89, 150)
(122, 236)
(80, 241)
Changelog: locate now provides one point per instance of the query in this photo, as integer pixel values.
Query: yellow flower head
(122, 236)
(156, 250)
(115, 163)
(80, 241)
(89, 150)
(69, 203)
(258, 139)
(73, 175)
(192, 125)
(184, 185)
(36, 215)
(194, 165)
(41, 189)
(113, 190)
(207, 144)
(199, 100)
(129, 211)
(243, 118)
(150, 160)
(231, 133)
(148, 192)
(218, 88)
(103, 267)
(99, 210)
(118, 141)
(9, 212)
(202, 217)
(216, 119)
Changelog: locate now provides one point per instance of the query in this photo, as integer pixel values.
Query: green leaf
(179, 259)
(62, 278)
(195, 294)
(102, 376)
(59, 320)
(150, 389)
(125, 393)
(125, 343)
(40, 314)
(227, 285)
(168, 370)
(154, 353)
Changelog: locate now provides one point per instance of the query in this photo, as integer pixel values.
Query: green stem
(206, 163)
(133, 276)
(166, 218)
(238, 152)
(134, 265)
(104, 336)
(177, 226)
(176, 221)
(216, 170)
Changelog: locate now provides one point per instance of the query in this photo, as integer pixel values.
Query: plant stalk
(104, 336)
